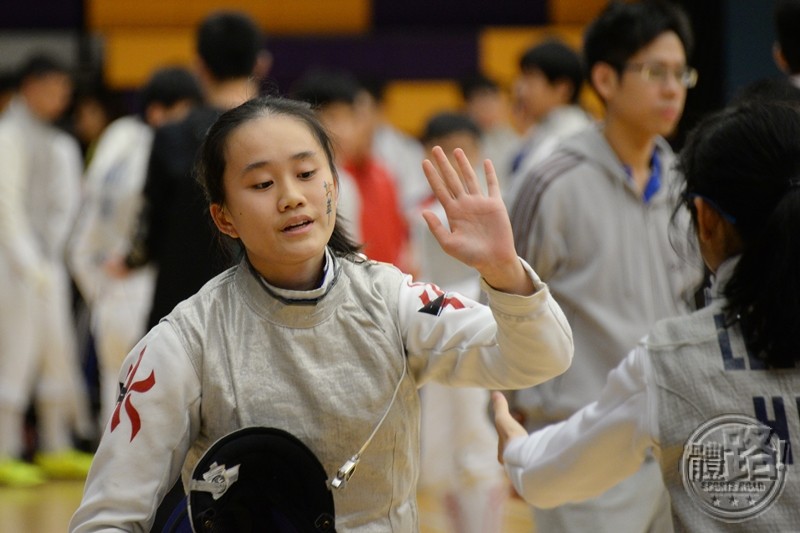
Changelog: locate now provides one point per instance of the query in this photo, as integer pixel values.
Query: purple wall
(449, 14)
(41, 14)
(386, 14)
(393, 54)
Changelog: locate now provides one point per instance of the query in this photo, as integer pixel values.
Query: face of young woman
(280, 199)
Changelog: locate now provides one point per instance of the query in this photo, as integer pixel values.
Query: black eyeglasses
(660, 73)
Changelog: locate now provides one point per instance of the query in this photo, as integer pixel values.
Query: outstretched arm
(480, 231)
(591, 451)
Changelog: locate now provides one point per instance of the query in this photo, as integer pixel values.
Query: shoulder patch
(124, 399)
(434, 299)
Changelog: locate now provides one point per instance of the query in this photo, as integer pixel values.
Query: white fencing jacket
(321, 364)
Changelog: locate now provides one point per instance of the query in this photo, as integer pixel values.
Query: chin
(667, 129)
(306, 251)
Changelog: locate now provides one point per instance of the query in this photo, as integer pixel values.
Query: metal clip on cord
(217, 480)
(347, 470)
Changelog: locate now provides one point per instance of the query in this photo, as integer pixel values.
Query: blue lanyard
(654, 183)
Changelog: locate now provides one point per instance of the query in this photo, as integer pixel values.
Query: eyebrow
(660, 62)
(300, 156)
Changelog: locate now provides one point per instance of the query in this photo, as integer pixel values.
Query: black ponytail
(746, 161)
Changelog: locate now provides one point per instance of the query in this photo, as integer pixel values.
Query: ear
(779, 58)
(717, 237)
(709, 221)
(564, 88)
(263, 65)
(203, 73)
(221, 218)
(154, 114)
(605, 79)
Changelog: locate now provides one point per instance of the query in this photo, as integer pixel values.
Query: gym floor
(47, 509)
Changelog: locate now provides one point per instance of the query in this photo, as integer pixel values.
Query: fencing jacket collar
(329, 275)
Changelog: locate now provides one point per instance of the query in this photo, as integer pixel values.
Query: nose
(673, 84)
(291, 196)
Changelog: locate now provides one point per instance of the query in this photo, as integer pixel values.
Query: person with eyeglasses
(736, 357)
(594, 219)
(660, 73)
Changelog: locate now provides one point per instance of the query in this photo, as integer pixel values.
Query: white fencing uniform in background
(38, 351)
(111, 202)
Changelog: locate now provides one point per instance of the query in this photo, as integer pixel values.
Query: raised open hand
(479, 233)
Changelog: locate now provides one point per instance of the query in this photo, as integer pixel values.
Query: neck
(32, 110)
(634, 149)
(231, 93)
(300, 277)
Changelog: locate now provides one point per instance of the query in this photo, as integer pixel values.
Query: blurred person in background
(487, 106)
(38, 349)
(457, 440)
(594, 219)
(8, 84)
(546, 102)
(112, 198)
(343, 107)
(173, 232)
(94, 108)
(396, 150)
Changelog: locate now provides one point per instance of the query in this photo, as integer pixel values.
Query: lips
(670, 113)
(297, 223)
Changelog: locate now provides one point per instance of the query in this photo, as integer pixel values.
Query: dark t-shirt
(178, 234)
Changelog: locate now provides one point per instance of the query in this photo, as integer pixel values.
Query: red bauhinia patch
(440, 300)
(124, 398)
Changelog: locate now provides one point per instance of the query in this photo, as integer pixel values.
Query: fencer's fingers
(499, 406)
(492, 183)
(468, 176)
(503, 418)
(439, 188)
(449, 175)
(435, 226)
(507, 427)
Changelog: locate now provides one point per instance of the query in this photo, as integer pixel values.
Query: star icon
(733, 501)
(750, 500)
(715, 501)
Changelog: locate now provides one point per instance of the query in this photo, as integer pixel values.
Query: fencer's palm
(479, 229)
